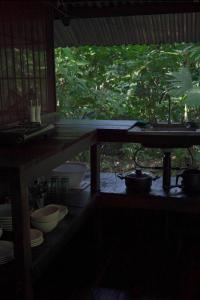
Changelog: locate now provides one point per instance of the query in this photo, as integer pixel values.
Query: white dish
(35, 234)
(45, 226)
(47, 214)
(63, 210)
(6, 228)
(6, 218)
(37, 243)
(2, 262)
(6, 221)
(74, 171)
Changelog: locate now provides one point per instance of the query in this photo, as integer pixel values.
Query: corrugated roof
(138, 29)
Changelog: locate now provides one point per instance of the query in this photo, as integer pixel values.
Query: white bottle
(32, 112)
(38, 113)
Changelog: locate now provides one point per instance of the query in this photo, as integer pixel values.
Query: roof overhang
(125, 22)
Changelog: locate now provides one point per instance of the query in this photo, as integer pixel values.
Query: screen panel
(26, 60)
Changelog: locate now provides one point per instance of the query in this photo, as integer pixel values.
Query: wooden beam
(153, 8)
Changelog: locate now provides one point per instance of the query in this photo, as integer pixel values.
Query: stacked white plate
(6, 252)
(48, 217)
(6, 217)
(36, 237)
(45, 218)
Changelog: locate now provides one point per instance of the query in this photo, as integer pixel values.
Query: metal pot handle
(120, 176)
(155, 178)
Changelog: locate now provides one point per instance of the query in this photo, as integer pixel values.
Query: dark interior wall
(26, 59)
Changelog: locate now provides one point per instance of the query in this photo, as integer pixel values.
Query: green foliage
(128, 81)
(181, 82)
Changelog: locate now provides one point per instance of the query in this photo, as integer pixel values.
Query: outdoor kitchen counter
(128, 131)
(37, 158)
(73, 136)
(44, 153)
(41, 155)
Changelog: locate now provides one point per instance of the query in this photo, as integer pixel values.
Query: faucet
(169, 109)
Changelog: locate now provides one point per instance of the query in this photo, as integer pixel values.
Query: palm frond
(193, 97)
(180, 82)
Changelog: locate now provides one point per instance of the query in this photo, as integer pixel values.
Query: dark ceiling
(125, 22)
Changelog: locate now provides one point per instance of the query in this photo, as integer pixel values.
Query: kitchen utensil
(45, 214)
(74, 171)
(45, 226)
(138, 181)
(190, 180)
(63, 210)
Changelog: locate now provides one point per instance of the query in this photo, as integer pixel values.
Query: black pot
(138, 181)
(190, 180)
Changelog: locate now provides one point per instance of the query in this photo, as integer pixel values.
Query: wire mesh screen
(26, 64)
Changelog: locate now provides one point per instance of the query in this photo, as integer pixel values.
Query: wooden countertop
(43, 154)
(73, 136)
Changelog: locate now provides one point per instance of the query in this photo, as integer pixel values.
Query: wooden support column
(95, 168)
(21, 236)
(51, 81)
(166, 170)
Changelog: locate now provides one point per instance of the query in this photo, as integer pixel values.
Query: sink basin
(165, 127)
(164, 135)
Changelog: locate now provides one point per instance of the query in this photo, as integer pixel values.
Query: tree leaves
(132, 81)
(181, 82)
(193, 97)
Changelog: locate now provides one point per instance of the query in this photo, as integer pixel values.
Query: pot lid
(138, 174)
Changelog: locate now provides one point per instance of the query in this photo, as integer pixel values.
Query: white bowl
(45, 214)
(36, 237)
(45, 226)
(35, 234)
(63, 211)
(74, 171)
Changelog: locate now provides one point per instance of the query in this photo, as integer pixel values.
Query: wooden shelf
(113, 193)
(80, 208)
(57, 240)
(19, 165)
(39, 157)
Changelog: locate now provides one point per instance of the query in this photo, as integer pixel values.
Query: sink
(164, 135)
(173, 127)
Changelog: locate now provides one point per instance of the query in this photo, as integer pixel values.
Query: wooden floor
(127, 273)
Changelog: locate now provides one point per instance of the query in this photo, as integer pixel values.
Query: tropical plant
(128, 82)
(185, 83)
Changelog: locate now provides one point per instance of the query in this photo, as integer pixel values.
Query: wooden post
(95, 168)
(21, 236)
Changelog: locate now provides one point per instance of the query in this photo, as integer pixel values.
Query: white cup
(38, 113)
(32, 114)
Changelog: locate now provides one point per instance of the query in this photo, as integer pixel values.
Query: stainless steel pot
(190, 180)
(138, 181)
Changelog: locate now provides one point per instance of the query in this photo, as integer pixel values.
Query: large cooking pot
(190, 180)
(138, 181)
